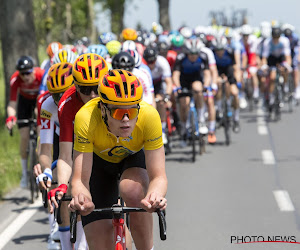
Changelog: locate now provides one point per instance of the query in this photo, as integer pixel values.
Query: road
(231, 194)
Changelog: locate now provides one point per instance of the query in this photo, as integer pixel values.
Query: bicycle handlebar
(117, 210)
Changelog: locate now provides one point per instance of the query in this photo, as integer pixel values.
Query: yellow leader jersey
(92, 135)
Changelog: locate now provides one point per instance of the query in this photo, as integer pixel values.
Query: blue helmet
(106, 37)
(98, 49)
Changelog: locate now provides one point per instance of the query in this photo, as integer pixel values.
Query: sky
(196, 12)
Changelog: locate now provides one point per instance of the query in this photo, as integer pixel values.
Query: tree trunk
(17, 36)
(49, 21)
(164, 18)
(116, 16)
(91, 18)
(68, 34)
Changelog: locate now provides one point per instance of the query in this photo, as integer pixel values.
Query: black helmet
(288, 32)
(24, 63)
(276, 32)
(123, 60)
(150, 54)
(163, 47)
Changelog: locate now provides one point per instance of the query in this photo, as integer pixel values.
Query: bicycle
(193, 131)
(248, 89)
(278, 97)
(118, 212)
(32, 156)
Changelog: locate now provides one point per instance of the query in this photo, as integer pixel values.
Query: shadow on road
(25, 238)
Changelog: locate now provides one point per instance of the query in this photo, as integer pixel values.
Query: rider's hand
(154, 201)
(37, 170)
(61, 190)
(40, 179)
(82, 204)
(10, 122)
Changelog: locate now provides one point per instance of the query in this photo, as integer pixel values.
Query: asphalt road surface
(245, 192)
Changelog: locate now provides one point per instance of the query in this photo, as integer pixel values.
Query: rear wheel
(226, 124)
(201, 144)
(31, 162)
(193, 137)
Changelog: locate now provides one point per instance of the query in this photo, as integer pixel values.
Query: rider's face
(123, 127)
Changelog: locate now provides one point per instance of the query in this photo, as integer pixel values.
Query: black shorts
(227, 71)
(104, 182)
(273, 61)
(24, 109)
(187, 80)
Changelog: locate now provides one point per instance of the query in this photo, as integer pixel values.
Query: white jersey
(161, 69)
(251, 46)
(46, 64)
(49, 120)
(148, 88)
(276, 50)
(210, 56)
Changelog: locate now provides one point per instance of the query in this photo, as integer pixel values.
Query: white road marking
(268, 157)
(261, 123)
(284, 201)
(18, 223)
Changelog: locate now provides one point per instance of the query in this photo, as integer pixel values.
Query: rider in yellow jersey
(118, 133)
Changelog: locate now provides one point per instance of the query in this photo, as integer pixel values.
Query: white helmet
(246, 29)
(193, 46)
(186, 32)
(128, 45)
(287, 26)
(265, 29)
(219, 43)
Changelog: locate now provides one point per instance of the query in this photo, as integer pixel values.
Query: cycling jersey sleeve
(152, 130)
(43, 86)
(166, 69)
(83, 138)
(48, 117)
(286, 47)
(266, 48)
(14, 86)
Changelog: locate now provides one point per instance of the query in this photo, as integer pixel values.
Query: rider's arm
(169, 84)
(207, 78)
(176, 78)
(11, 108)
(82, 199)
(64, 163)
(155, 162)
(45, 160)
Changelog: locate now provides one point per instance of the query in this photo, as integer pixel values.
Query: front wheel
(31, 162)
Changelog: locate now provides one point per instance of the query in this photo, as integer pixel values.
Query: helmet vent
(90, 71)
(111, 73)
(84, 74)
(62, 80)
(125, 88)
(132, 90)
(105, 82)
(118, 90)
(97, 72)
(52, 83)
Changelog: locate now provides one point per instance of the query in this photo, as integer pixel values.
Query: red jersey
(68, 106)
(171, 57)
(39, 103)
(29, 91)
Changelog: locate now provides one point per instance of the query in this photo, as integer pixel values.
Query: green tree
(18, 35)
(116, 8)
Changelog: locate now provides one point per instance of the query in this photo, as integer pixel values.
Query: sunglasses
(26, 73)
(56, 97)
(87, 90)
(119, 114)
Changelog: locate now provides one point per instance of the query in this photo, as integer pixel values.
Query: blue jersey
(226, 60)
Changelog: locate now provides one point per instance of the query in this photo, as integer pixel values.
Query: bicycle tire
(290, 93)
(249, 93)
(226, 123)
(202, 144)
(31, 163)
(276, 105)
(193, 137)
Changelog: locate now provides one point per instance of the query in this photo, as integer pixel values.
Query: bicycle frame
(118, 212)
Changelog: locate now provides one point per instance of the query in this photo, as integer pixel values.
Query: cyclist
(63, 55)
(125, 61)
(250, 43)
(24, 87)
(59, 80)
(225, 60)
(288, 31)
(276, 51)
(52, 48)
(191, 71)
(118, 133)
(162, 82)
(85, 89)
